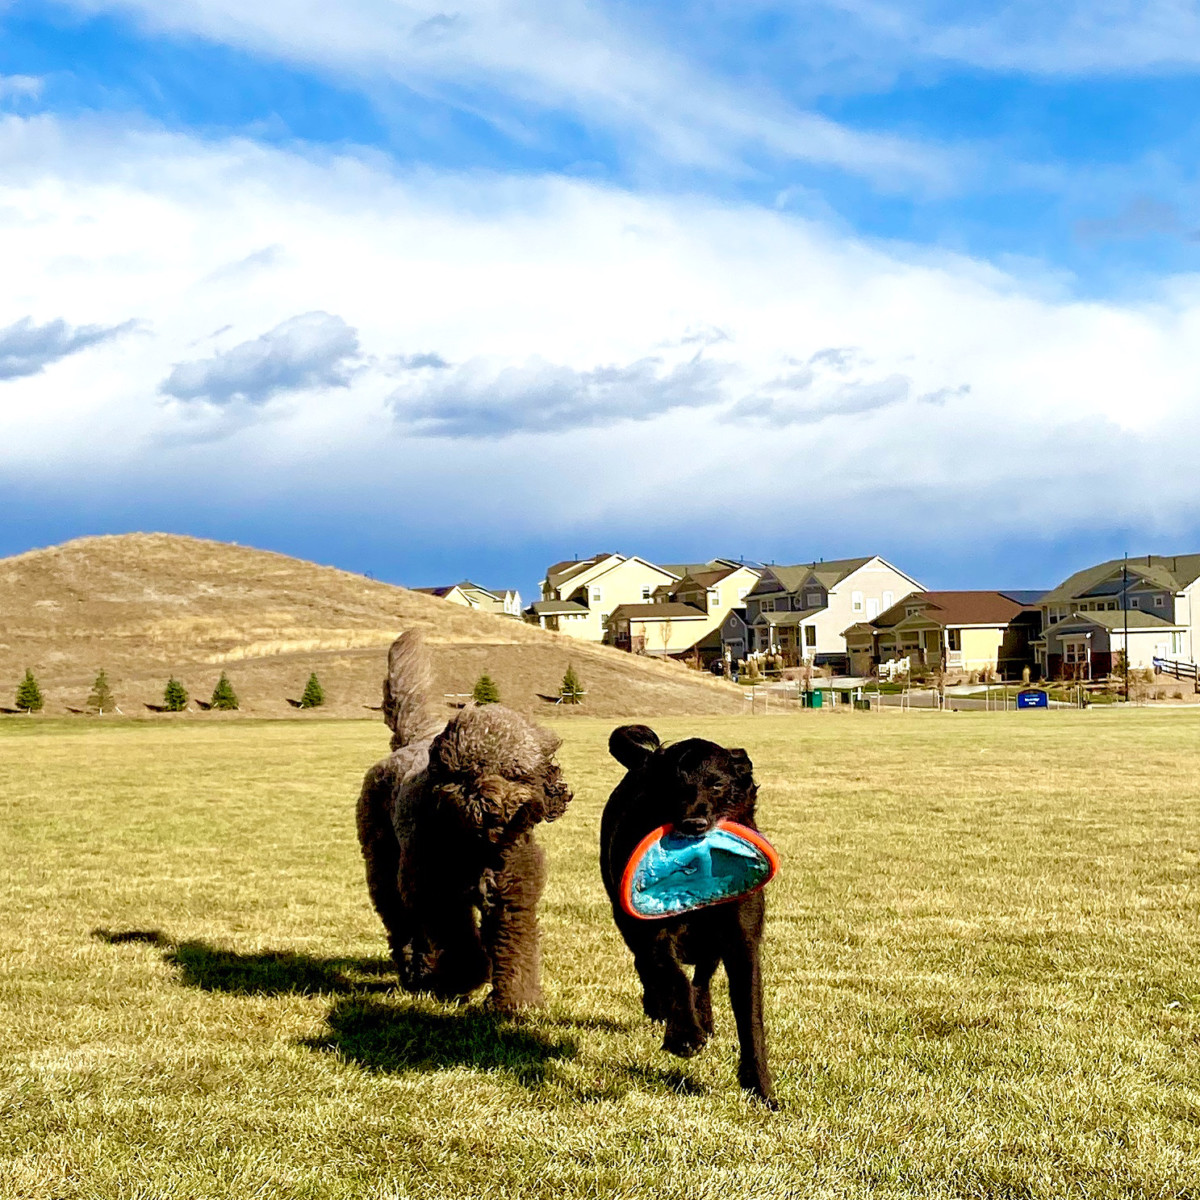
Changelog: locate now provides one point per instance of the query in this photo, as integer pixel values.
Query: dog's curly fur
(446, 828)
(691, 785)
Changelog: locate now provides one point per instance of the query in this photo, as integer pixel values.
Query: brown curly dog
(446, 827)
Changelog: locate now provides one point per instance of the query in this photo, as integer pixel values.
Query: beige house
(579, 595)
(471, 595)
(802, 612)
(951, 631)
(1147, 606)
(708, 591)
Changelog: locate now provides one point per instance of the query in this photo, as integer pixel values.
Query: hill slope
(144, 606)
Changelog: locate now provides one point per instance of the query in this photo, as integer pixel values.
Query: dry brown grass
(145, 606)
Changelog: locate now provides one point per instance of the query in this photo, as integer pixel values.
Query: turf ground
(981, 962)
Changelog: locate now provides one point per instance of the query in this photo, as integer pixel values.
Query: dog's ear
(743, 768)
(633, 745)
(556, 795)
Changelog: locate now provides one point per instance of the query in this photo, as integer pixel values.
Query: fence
(1180, 668)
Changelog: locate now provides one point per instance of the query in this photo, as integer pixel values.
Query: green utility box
(811, 699)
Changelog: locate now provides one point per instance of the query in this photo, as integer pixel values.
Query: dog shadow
(397, 1038)
(393, 1036)
(267, 973)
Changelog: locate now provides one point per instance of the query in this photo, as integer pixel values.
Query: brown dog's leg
(745, 995)
(510, 932)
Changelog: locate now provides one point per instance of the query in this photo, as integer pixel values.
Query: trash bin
(818, 699)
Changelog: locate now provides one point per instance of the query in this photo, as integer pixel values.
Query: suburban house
(1145, 607)
(950, 631)
(579, 595)
(471, 595)
(802, 612)
(687, 615)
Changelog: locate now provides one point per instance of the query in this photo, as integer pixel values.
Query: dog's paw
(653, 1008)
(684, 1043)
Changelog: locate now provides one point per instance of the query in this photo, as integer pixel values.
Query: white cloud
(28, 349)
(509, 60)
(526, 354)
(314, 350)
(20, 87)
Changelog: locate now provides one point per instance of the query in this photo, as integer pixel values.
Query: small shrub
(175, 696)
(314, 694)
(485, 690)
(571, 689)
(223, 696)
(29, 695)
(101, 697)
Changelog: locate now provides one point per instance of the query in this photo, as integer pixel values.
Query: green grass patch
(981, 966)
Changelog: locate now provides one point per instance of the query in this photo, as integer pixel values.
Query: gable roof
(954, 608)
(1169, 572)
(1114, 621)
(662, 612)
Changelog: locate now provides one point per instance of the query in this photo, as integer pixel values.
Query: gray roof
(1169, 572)
(1135, 618)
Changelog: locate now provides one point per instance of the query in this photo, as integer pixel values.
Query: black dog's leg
(509, 929)
(745, 995)
(701, 983)
(670, 991)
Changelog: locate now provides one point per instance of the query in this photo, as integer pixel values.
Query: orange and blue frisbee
(670, 873)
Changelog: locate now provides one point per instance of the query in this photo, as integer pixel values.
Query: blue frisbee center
(677, 874)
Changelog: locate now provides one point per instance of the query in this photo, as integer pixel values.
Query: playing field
(982, 975)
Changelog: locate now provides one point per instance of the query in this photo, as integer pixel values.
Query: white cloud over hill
(513, 353)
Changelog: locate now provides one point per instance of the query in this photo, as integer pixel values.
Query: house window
(1074, 653)
(645, 591)
(597, 595)
(954, 640)
(856, 601)
(813, 599)
(714, 598)
(767, 606)
(1134, 603)
(743, 593)
(889, 598)
(912, 610)
(1160, 602)
(810, 635)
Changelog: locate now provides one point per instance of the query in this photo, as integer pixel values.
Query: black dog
(690, 785)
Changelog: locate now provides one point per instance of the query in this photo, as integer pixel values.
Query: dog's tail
(407, 691)
(633, 745)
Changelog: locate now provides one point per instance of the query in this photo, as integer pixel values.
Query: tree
(314, 694)
(485, 690)
(571, 690)
(29, 695)
(101, 696)
(223, 695)
(175, 696)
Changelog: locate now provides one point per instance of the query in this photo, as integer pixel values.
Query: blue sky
(442, 291)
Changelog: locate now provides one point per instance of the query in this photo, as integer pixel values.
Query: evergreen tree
(175, 696)
(485, 690)
(223, 694)
(29, 695)
(572, 689)
(314, 694)
(101, 698)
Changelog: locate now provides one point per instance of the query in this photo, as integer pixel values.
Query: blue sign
(1033, 699)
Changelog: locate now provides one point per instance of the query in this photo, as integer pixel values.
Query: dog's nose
(693, 826)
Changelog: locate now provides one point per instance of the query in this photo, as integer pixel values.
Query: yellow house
(580, 595)
(951, 631)
(713, 589)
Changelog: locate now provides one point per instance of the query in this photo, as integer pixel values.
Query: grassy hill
(145, 606)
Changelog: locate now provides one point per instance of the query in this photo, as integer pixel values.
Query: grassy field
(981, 964)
